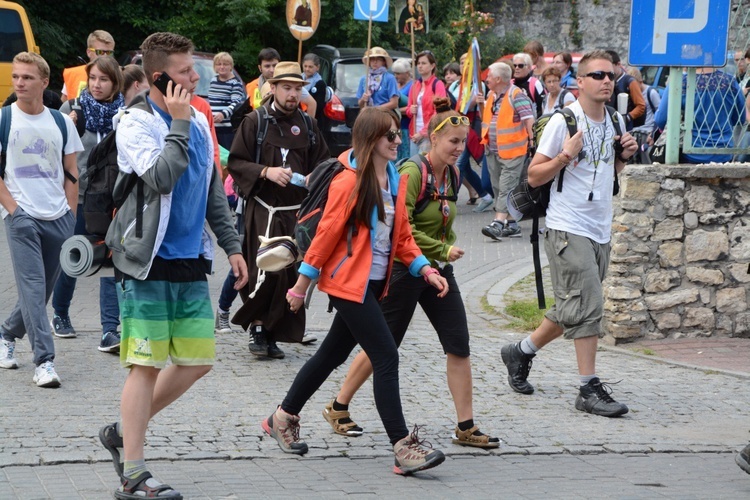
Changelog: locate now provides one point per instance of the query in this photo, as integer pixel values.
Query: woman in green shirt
(432, 227)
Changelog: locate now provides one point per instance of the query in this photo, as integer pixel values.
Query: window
(12, 37)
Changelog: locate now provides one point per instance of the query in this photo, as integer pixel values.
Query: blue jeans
(228, 293)
(65, 286)
(464, 168)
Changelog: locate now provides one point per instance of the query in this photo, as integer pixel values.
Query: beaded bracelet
(295, 294)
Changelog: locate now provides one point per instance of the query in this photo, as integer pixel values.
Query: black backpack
(448, 94)
(312, 207)
(99, 200)
(532, 202)
(239, 113)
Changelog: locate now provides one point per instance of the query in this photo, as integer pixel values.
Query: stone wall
(602, 24)
(680, 253)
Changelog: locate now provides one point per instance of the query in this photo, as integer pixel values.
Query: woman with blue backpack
(92, 112)
(363, 228)
(431, 205)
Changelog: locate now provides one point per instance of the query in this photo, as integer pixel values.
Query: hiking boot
(484, 205)
(113, 443)
(413, 455)
(258, 341)
(284, 428)
(62, 327)
(473, 437)
(494, 230)
(743, 459)
(595, 398)
(511, 230)
(110, 342)
(45, 375)
(222, 322)
(7, 354)
(518, 364)
(274, 351)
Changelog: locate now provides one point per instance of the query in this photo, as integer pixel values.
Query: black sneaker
(274, 351)
(494, 230)
(62, 327)
(518, 364)
(258, 341)
(511, 230)
(110, 342)
(743, 459)
(595, 398)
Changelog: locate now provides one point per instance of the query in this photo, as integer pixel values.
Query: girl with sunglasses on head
(421, 107)
(364, 227)
(432, 227)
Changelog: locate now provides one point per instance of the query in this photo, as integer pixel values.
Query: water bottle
(299, 180)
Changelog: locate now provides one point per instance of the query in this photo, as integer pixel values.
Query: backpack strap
(60, 122)
(561, 98)
(5, 118)
(81, 117)
(572, 123)
(649, 89)
(310, 129)
(260, 134)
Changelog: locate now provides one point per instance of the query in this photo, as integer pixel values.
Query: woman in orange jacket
(371, 191)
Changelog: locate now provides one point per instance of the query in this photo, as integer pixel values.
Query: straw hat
(288, 72)
(379, 52)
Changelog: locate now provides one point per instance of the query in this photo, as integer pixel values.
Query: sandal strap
(132, 485)
(338, 414)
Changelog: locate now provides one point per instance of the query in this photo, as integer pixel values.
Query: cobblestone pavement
(677, 441)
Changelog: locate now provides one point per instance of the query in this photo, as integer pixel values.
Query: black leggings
(362, 324)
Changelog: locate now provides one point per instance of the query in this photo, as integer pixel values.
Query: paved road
(677, 441)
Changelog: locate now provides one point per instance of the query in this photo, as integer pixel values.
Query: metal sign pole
(673, 116)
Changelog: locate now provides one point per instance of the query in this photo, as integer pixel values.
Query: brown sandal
(137, 489)
(334, 418)
(467, 438)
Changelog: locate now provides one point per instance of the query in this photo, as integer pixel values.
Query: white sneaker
(309, 338)
(45, 375)
(7, 359)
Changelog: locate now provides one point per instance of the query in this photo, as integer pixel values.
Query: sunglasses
(599, 75)
(521, 66)
(454, 120)
(102, 52)
(392, 134)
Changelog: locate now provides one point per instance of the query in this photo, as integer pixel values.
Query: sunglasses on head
(102, 52)
(392, 134)
(519, 66)
(454, 120)
(599, 75)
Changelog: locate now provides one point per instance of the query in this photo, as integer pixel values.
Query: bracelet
(264, 173)
(295, 294)
(429, 273)
(564, 163)
(566, 155)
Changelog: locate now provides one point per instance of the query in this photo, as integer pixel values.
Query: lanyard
(596, 156)
(439, 195)
(284, 153)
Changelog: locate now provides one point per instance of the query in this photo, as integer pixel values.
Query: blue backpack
(5, 117)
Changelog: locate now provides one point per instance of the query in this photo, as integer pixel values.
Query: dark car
(341, 69)
(204, 65)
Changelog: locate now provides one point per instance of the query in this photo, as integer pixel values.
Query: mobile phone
(161, 83)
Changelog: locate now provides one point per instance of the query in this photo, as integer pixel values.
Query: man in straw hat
(292, 144)
(378, 87)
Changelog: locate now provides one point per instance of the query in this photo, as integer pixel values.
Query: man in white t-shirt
(577, 239)
(39, 196)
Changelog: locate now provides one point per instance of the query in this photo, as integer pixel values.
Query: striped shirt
(224, 97)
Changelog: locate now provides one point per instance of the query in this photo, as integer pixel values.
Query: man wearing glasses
(99, 43)
(577, 238)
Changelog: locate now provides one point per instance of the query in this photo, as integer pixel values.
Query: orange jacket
(204, 107)
(327, 259)
(75, 80)
(512, 138)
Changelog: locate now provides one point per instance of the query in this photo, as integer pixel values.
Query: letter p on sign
(664, 25)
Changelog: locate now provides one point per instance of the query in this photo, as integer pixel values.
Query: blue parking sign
(378, 8)
(679, 32)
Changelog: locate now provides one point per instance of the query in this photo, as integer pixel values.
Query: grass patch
(527, 314)
(646, 351)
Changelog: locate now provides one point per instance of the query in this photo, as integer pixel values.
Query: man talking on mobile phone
(162, 254)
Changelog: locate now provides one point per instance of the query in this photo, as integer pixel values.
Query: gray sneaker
(284, 428)
(743, 459)
(7, 357)
(511, 230)
(222, 322)
(483, 206)
(494, 230)
(413, 454)
(110, 342)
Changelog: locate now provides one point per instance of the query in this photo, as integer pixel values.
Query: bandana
(374, 79)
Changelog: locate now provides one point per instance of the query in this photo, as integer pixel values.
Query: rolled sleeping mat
(83, 255)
